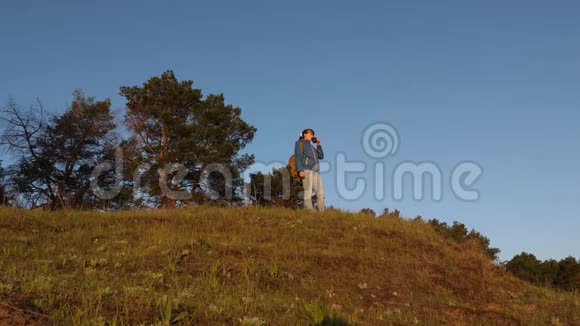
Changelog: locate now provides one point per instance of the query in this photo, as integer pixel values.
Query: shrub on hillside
(564, 275)
(459, 233)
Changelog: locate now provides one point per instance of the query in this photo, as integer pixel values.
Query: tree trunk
(163, 180)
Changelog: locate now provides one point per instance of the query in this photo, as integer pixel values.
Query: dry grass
(257, 266)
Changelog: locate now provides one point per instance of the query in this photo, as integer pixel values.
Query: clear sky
(493, 82)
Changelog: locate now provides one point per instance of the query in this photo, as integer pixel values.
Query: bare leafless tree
(22, 130)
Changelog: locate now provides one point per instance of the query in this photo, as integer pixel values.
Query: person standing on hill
(307, 164)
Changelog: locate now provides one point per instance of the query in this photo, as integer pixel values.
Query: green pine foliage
(563, 274)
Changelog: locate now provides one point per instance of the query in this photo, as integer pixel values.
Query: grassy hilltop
(255, 266)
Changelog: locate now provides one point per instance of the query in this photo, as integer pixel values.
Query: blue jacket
(309, 159)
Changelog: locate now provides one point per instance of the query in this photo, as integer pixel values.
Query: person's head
(307, 134)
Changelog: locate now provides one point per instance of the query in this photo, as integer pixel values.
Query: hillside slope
(255, 266)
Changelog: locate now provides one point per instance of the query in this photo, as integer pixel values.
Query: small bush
(459, 233)
(318, 314)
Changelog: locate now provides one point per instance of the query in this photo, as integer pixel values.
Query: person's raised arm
(319, 150)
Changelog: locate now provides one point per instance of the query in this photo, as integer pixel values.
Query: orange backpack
(292, 167)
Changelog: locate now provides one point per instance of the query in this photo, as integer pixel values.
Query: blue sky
(496, 83)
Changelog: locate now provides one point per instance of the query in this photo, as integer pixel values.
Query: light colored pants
(313, 182)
